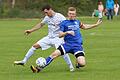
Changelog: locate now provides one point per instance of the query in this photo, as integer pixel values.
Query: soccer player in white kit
(51, 40)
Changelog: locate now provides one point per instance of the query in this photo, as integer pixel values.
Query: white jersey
(53, 24)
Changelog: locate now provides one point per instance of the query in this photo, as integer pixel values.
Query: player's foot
(72, 69)
(35, 69)
(19, 62)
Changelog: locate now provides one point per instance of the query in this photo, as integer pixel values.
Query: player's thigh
(80, 55)
(44, 43)
(55, 54)
(36, 45)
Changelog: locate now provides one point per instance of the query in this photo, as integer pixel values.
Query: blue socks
(48, 60)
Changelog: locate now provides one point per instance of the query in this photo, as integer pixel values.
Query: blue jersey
(110, 4)
(71, 25)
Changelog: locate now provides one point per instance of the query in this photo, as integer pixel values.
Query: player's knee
(82, 64)
(81, 61)
(36, 46)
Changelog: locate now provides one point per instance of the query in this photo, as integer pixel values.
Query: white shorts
(47, 42)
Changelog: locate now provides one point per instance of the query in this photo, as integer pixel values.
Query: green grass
(101, 44)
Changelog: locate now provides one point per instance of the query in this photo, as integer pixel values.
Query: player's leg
(43, 43)
(31, 52)
(60, 51)
(28, 54)
(80, 57)
(57, 42)
(49, 59)
(54, 55)
(81, 61)
(68, 61)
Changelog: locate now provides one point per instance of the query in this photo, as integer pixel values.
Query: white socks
(29, 54)
(68, 61)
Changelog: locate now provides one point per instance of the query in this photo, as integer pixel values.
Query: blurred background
(32, 8)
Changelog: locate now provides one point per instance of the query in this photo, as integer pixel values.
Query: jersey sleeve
(62, 27)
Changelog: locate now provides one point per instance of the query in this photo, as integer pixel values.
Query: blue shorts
(76, 50)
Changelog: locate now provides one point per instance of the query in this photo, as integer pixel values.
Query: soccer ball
(41, 62)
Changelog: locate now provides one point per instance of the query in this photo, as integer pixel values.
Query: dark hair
(71, 9)
(48, 7)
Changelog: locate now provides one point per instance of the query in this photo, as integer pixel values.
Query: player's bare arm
(38, 26)
(62, 34)
(89, 26)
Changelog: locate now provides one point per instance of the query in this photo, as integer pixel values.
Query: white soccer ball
(41, 62)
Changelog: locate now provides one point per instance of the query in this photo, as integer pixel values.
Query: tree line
(31, 8)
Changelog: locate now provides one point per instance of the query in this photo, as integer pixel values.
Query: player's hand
(99, 21)
(71, 32)
(27, 32)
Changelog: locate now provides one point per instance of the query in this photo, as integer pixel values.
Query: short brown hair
(71, 9)
(47, 6)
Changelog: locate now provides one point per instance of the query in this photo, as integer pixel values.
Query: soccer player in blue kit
(70, 30)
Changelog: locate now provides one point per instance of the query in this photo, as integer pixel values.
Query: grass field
(101, 44)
